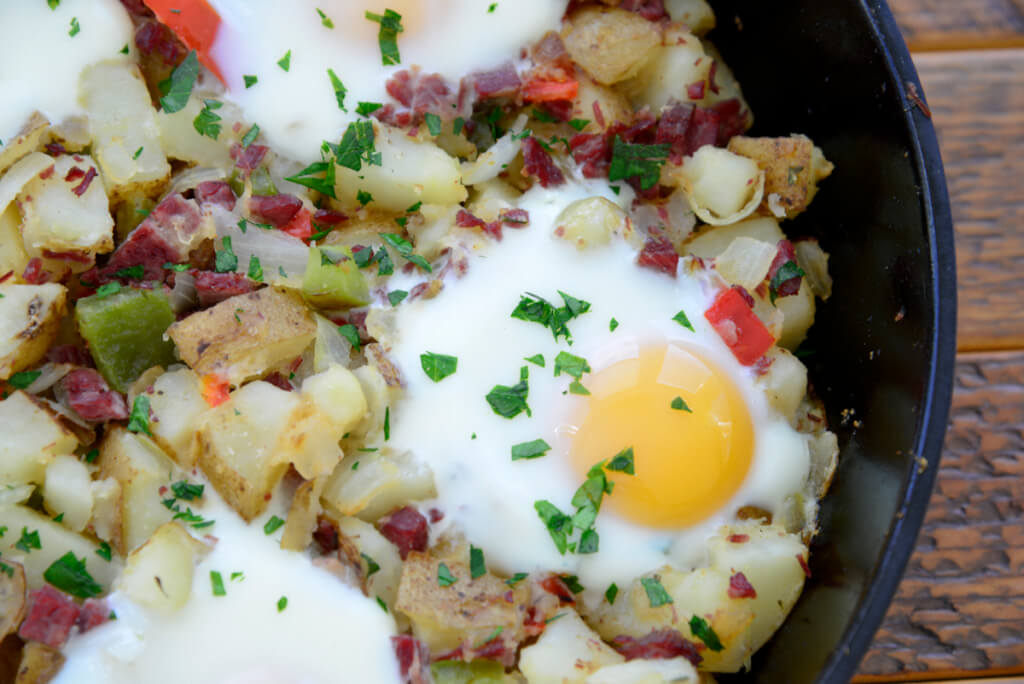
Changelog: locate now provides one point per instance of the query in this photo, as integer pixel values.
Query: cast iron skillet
(838, 71)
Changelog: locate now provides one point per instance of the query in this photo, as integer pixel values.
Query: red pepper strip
(195, 23)
(547, 91)
(300, 225)
(739, 327)
(214, 389)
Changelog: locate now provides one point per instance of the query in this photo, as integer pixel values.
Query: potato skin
(39, 664)
(31, 316)
(12, 598)
(792, 166)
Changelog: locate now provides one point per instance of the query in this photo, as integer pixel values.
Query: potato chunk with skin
(26, 141)
(177, 405)
(566, 653)
(13, 258)
(384, 582)
(238, 443)
(381, 482)
(721, 187)
(793, 166)
(29, 320)
(68, 491)
(26, 451)
(467, 612)
(592, 222)
(245, 336)
(669, 73)
(12, 597)
(123, 127)
(642, 671)
(159, 573)
(39, 663)
(67, 212)
(610, 43)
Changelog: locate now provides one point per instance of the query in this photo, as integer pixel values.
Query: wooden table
(959, 612)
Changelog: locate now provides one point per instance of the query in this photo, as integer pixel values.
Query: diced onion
(49, 375)
(492, 162)
(22, 172)
(15, 494)
(184, 295)
(191, 178)
(276, 250)
(331, 348)
(814, 261)
(746, 261)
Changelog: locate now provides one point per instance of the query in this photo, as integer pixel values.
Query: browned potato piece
(39, 663)
(12, 597)
(302, 515)
(27, 140)
(793, 166)
(467, 612)
(29, 319)
(244, 336)
(610, 43)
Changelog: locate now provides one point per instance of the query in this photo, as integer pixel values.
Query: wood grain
(977, 103)
(960, 24)
(959, 611)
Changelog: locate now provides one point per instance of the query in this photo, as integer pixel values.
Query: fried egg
(694, 467)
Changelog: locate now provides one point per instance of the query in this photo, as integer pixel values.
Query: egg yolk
(688, 463)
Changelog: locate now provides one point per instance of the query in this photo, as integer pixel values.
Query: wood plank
(960, 24)
(959, 611)
(977, 103)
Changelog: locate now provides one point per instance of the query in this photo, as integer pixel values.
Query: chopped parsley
(28, 541)
(679, 404)
(75, 27)
(404, 249)
(255, 268)
(656, 594)
(364, 197)
(188, 517)
(324, 19)
(367, 108)
(349, 332)
(237, 576)
(579, 124)
(282, 603)
(59, 518)
(138, 421)
(68, 574)
(537, 359)
(207, 122)
(786, 272)
(438, 366)
(509, 402)
(611, 592)
(622, 462)
(541, 115)
(286, 61)
(250, 80)
(136, 272)
(433, 122)
(700, 628)
(387, 423)
(250, 136)
(396, 296)
(457, 125)
(339, 89)
(516, 579)
(272, 525)
(490, 8)
(104, 291)
(310, 177)
(217, 584)
(612, 325)
(175, 91)
(477, 566)
(371, 565)
(571, 364)
(356, 146)
(104, 551)
(573, 582)
(533, 449)
(445, 578)
(54, 4)
(178, 268)
(186, 491)
(682, 320)
(137, 153)
(558, 523)
(576, 387)
(90, 457)
(225, 260)
(23, 379)
(390, 26)
(643, 162)
(536, 309)
(383, 606)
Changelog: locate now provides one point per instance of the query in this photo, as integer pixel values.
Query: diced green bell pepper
(333, 280)
(262, 183)
(125, 333)
(476, 672)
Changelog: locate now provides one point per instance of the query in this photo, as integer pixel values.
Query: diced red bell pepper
(301, 225)
(195, 23)
(214, 389)
(548, 91)
(739, 327)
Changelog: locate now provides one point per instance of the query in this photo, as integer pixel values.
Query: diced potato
(591, 96)
(55, 540)
(722, 187)
(488, 199)
(39, 663)
(383, 481)
(384, 582)
(141, 468)
(668, 74)
(25, 142)
(814, 262)
(378, 397)
(301, 520)
(496, 158)
(642, 671)
(29, 320)
(793, 166)
(591, 222)
(238, 443)
(245, 336)
(106, 509)
(824, 451)
(68, 492)
(27, 451)
(784, 382)
(337, 393)
(696, 14)
(467, 612)
(13, 258)
(610, 43)
(710, 243)
(177, 405)
(430, 235)
(56, 218)
(746, 262)
(159, 573)
(181, 140)
(21, 173)
(122, 122)
(410, 171)
(12, 597)
(567, 652)
(798, 314)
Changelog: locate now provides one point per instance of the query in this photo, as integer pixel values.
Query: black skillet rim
(934, 201)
